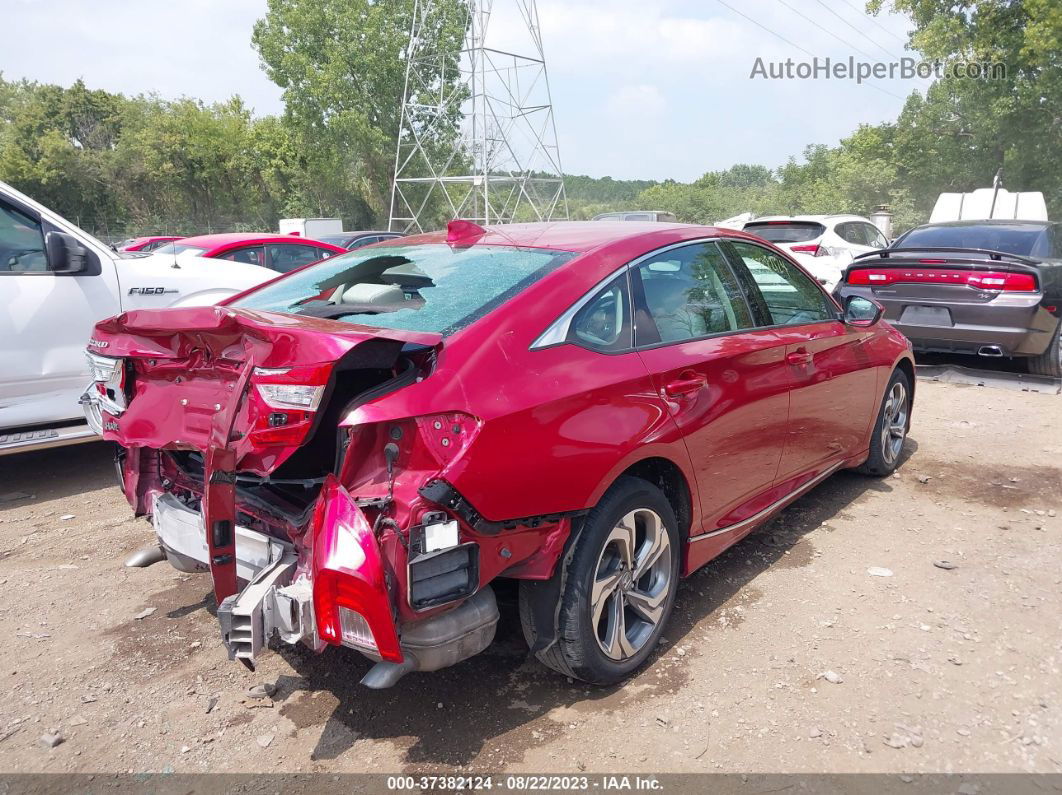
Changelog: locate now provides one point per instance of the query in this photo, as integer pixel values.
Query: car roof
(1003, 222)
(632, 212)
(817, 219)
(577, 236)
(357, 232)
(231, 238)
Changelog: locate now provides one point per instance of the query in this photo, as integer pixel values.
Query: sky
(646, 89)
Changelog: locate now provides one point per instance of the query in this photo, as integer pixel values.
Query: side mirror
(862, 312)
(65, 254)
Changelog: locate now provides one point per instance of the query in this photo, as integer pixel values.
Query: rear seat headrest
(373, 294)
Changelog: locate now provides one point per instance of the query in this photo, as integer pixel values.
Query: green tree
(964, 130)
(341, 65)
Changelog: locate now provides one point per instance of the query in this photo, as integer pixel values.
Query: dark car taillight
(1003, 281)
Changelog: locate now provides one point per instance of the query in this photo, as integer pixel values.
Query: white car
(824, 244)
(56, 283)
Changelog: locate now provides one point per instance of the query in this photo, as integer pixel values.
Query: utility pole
(480, 143)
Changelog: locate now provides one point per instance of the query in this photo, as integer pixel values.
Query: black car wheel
(619, 589)
(890, 429)
(1049, 362)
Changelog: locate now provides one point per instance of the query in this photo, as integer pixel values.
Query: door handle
(687, 384)
(799, 357)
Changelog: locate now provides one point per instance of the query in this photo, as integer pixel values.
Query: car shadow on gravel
(30, 478)
(487, 711)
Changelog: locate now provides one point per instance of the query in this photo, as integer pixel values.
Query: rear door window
(874, 236)
(251, 255)
(851, 233)
(688, 293)
(284, 257)
(789, 295)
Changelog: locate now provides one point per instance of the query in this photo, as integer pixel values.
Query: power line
(853, 27)
(824, 30)
(794, 44)
(874, 21)
(764, 27)
(847, 43)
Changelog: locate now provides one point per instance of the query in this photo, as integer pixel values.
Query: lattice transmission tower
(477, 139)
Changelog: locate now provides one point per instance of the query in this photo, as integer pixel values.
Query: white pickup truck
(56, 282)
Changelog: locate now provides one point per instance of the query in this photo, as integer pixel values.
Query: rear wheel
(890, 430)
(1049, 362)
(620, 586)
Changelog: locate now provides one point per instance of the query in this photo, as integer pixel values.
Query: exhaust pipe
(147, 556)
(441, 641)
(993, 351)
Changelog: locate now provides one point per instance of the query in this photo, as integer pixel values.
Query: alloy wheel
(894, 423)
(632, 582)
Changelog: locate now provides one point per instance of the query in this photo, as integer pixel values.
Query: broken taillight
(351, 597)
(108, 376)
(285, 401)
(355, 630)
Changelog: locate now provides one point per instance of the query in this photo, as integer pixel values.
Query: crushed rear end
(248, 440)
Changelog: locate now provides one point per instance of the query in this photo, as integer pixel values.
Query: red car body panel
(138, 243)
(528, 438)
(217, 245)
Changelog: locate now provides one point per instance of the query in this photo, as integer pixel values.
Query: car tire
(610, 617)
(1048, 363)
(891, 425)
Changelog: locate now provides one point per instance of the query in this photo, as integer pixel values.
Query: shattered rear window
(426, 287)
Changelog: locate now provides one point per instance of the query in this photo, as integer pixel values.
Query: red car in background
(146, 243)
(280, 253)
(357, 450)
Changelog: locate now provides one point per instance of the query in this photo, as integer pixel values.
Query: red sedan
(146, 243)
(591, 409)
(281, 253)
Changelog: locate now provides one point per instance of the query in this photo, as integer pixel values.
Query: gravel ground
(789, 653)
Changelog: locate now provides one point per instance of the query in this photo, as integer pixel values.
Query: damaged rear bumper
(335, 590)
(274, 601)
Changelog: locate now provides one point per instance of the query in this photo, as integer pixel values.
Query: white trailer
(312, 228)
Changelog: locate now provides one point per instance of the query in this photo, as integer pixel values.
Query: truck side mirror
(65, 254)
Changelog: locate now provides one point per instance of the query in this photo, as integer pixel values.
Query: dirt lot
(933, 669)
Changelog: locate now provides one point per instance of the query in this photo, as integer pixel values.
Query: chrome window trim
(558, 330)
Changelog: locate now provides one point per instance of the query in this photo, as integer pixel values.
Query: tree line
(122, 165)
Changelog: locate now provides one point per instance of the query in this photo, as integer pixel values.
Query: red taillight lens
(352, 604)
(814, 250)
(284, 402)
(983, 280)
